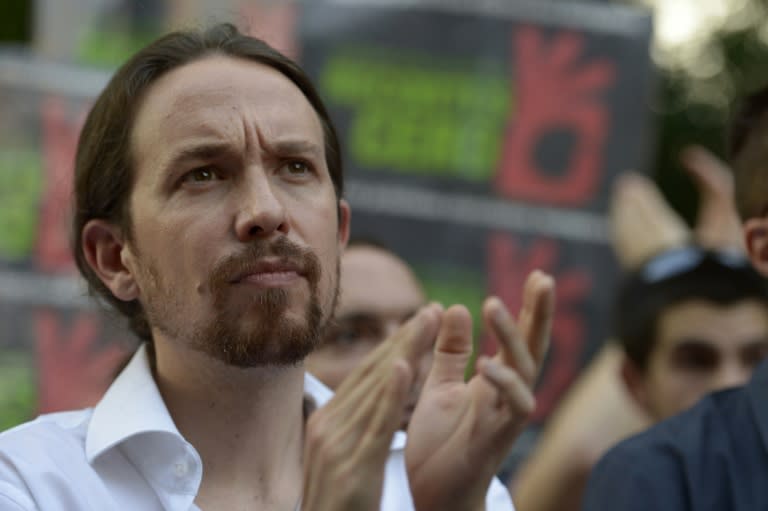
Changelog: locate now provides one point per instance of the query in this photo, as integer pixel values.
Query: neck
(246, 424)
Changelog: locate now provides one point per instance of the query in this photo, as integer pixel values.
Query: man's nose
(261, 211)
(731, 374)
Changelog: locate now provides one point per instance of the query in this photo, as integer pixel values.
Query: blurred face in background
(378, 293)
(700, 347)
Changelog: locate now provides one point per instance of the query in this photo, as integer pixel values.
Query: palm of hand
(461, 431)
(450, 441)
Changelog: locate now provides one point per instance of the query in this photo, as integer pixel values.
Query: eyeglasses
(681, 260)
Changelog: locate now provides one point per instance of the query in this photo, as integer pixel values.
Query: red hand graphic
(554, 92)
(72, 372)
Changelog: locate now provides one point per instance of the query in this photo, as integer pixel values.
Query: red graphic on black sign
(72, 372)
(508, 268)
(60, 133)
(556, 93)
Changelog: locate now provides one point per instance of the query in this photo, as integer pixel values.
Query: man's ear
(104, 249)
(344, 223)
(756, 240)
(634, 380)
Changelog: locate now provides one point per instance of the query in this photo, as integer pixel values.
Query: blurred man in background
(378, 293)
(691, 317)
(715, 455)
(690, 321)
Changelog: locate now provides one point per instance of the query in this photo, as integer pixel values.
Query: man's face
(702, 347)
(235, 239)
(378, 293)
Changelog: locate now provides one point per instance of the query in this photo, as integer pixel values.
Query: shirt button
(180, 469)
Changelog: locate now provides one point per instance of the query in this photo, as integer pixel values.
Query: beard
(258, 333)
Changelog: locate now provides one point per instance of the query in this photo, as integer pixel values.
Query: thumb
(453, 347)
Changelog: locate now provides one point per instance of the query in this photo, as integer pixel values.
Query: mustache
(303, 259)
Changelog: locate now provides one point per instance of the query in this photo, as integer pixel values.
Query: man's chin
(263, 342)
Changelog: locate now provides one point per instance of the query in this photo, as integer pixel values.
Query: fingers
(346, 447)
(361, 393)
(539, 302)
(513, 390)
(453, 347)
(410, 343)
(347, 441)
(386, 419)
(524, 346)
(514, 350)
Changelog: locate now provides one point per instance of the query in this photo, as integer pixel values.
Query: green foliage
(686, 116)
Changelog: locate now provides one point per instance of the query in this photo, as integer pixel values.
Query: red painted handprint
(72, 372)
(555, 92)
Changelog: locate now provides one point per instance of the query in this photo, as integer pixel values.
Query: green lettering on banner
(20, 189)
(417, 114)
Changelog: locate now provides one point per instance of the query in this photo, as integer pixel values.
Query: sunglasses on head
(678, 261)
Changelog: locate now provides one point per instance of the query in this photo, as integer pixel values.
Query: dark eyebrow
(756, 342)
(289, 147)
(197, 152)
(690, 343)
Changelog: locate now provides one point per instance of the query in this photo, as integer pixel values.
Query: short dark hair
(748, 154)
(104, 173)
(673, 277)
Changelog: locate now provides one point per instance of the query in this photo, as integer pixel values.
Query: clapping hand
(461, 431)
(347, 440)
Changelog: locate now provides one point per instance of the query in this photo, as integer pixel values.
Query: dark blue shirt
(712, 457)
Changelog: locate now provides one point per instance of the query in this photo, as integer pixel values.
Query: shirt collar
(133, 405)
(757, 390)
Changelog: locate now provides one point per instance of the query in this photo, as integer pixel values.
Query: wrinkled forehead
(221, 98)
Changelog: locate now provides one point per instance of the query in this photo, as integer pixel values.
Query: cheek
(680, 389)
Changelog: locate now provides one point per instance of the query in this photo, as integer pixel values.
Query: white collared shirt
(126, 454)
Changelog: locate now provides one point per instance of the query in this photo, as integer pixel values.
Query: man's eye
(297, 168)
(753, 355)
(202, 175)
(347, 334)
(695, 359)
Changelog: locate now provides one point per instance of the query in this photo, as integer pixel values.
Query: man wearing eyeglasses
(715, 455)
(364, 319)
